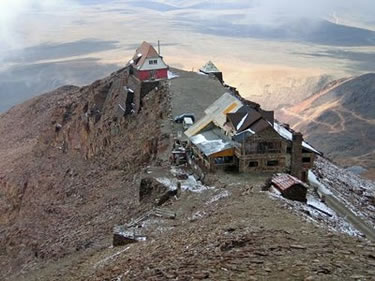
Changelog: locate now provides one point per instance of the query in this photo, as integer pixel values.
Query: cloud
(15, 16)
(272, 11)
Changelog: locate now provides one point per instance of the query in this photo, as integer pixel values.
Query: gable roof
(146, 50)
(253, 120)
(242, 120)
(216, 113)
(209, 68)
(285, 181)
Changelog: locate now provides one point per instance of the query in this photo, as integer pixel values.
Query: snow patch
(201, 73)
(332, 222)
(314, 181)
(172, 75)
(105, 260)
(239, 125)
(319, 204)
(218, 197)
(190, 184)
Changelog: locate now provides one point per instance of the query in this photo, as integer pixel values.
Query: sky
(258, 44)
(14, 13)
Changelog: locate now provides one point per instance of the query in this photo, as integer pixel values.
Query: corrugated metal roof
(216, 113)
(211, 142)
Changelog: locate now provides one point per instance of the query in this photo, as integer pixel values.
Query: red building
(147, 64)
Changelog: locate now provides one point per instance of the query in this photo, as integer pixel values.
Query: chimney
(159, 47)
(296, 158)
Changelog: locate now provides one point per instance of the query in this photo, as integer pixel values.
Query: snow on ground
(311, 200)
(197, 215)
(333, 222)
(190, 184)
(314, 181)
(111, 257)
(201, 73)
(172, 75)
(356, 193)
(218, 196)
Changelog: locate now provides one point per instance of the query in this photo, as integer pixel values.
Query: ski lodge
(243, 137)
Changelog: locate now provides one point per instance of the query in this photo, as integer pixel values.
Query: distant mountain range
(340, 120)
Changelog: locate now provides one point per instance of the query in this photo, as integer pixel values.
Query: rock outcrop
(71, 159)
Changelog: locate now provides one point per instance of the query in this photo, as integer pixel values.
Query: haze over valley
(265, 48)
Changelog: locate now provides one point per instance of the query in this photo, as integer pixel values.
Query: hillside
(276, 89)
(71, 167)
(340, 119)
(67, 167)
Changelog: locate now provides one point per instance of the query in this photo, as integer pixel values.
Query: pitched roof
(216, 113)
(209, 68)
(146, 50)
(286, 181)
(248, 121)
(242, 120)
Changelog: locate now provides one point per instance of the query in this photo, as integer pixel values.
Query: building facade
(249, 140)
(147, 64)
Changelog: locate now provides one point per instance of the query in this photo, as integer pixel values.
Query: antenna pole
(159, 47)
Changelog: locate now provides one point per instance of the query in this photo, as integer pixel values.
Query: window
(224, 160)
(306, 160)
(253, 164)
(153, 62)
(272, 163)
(269, 147)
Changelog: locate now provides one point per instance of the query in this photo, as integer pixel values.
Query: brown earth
(242, 235)
(64, 187)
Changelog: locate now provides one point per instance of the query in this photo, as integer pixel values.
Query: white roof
(210, 143)
(209, 68)
(188, 120)
(216, 113)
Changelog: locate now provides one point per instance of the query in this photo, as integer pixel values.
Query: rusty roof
(285, 181)
(146, 50)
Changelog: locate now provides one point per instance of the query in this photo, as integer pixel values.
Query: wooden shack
(290, 187)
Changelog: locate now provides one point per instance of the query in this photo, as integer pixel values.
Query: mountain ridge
(73, 170)
(339, 118)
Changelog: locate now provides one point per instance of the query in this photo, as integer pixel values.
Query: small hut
(148, 64)
(290, 187)
(210, 69)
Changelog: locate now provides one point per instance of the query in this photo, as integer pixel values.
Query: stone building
(248, 140)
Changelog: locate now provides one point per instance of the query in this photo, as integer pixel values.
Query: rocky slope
(68, 169)
(340, 120)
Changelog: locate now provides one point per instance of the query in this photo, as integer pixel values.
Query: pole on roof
(159, 47)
